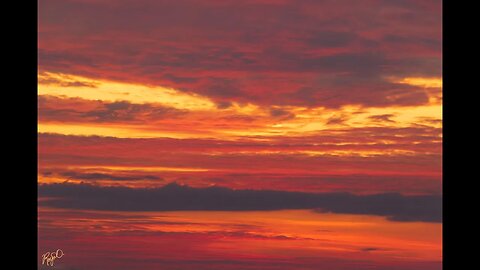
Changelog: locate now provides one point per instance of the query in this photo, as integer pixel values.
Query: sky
(253, 134)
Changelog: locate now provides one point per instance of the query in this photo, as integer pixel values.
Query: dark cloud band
(174, 197)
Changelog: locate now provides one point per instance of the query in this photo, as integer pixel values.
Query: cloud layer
(264, 52)
(174, 197)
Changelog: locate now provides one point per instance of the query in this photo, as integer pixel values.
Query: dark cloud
(331, 39)
(368, 249)
(173, 197)
(353, 88)
(337, 120)
(126, 111)
(365, 63)
(178, 79)
(434, 44)
(382, 118)
(100, 176)
(71, 83)
(224, 105)
(281, 113)
(221, 88)
(353, 183)
(52, 108)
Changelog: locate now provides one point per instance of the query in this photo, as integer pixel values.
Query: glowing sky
(300, 97)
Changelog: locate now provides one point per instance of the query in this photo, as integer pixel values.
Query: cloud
(257, 52)
(100, 176)
(53, 81)
(368, 249)
(174, 197)
(330, 39)
(224, 105)
(67, 110)
(382, 118)
(414, 151)
(352, 183)
(281, 113)
(337, 120)
(126, 111)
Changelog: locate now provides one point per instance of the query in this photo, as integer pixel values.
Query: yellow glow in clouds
(422, 82)
(61, 85)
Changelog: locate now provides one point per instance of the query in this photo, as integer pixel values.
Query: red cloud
(280, 53)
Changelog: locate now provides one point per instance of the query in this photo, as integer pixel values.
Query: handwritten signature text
(50, 257)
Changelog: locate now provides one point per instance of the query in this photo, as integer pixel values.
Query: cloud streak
(65, 110)
(93, 176)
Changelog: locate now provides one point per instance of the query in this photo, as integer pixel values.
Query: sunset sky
(253, 134)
